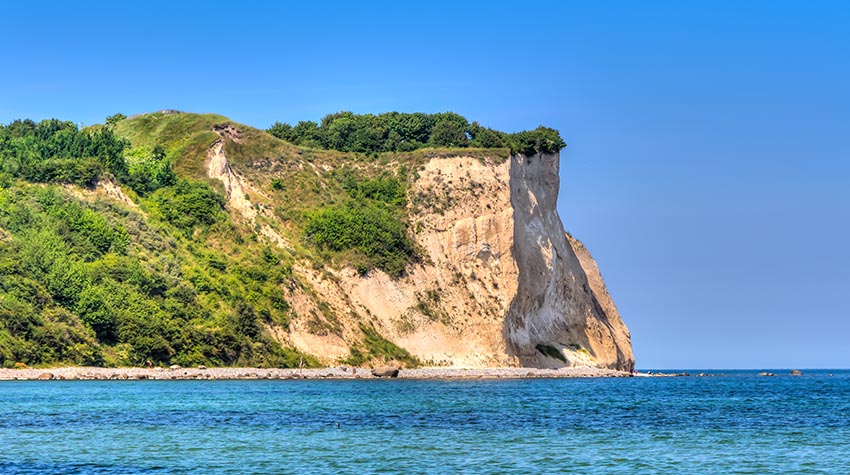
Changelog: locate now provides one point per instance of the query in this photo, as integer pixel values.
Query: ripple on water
(736, 424)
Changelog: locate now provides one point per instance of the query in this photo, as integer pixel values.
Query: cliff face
(215, 243)
(562, 313)
(499, 284)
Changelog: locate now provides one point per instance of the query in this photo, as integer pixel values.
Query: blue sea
(737, 423)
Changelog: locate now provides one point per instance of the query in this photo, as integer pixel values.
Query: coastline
(78, 373)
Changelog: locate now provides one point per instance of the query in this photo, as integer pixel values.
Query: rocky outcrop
(557, 317)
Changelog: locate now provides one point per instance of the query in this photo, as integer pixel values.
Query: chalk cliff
(499, 282)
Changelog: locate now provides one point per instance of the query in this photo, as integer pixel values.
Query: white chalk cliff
(500, 283)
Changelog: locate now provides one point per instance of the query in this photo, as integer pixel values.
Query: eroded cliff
(498, 282)
(399, 238)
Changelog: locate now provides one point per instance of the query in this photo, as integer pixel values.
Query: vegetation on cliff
(405, 132)
(171, 274)
(370, 226)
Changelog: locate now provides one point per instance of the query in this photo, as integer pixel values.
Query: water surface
(737, 423)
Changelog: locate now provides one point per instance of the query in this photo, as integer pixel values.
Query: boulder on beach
(385, 372)
(45, 376)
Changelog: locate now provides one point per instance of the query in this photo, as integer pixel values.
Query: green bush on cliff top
(404, 132)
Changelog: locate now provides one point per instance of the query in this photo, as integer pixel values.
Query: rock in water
(385, 372)
(796, 372)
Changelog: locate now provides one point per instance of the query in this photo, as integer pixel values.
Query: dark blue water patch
(736, 424)
(77, 469)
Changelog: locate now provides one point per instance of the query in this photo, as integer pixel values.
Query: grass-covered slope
(93, 282)
(175, 274)
(173, 279)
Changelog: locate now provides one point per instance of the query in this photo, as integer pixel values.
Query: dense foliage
(188, 205)
(370, 226)
(57, 151)
(92, 283)
(54, 151)
(149, 170)
(401, 132)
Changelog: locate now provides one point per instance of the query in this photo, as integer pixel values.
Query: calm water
(738, 423)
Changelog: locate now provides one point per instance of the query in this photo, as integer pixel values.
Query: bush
(386, 188)
(188, 205)
(149, 170)
(77, 288)
(57, 151)
(540, 140)
(402, 132)
(366, 227)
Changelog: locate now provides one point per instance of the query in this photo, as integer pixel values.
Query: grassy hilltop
(166, 271)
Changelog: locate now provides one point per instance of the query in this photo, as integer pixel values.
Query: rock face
(561, 314)
(500, 282)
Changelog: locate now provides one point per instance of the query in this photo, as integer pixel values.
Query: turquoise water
(738, 423)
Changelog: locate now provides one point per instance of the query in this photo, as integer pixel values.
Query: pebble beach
(342, 372)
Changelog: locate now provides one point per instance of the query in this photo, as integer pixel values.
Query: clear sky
(708, 166)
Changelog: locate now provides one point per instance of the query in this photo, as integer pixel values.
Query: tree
(282, 131)
(448, 133)
(114, 119)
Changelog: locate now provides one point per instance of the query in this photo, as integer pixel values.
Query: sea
(728, 422)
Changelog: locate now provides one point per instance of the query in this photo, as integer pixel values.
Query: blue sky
(708, 167)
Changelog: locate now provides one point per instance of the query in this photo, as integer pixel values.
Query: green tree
(448, 134)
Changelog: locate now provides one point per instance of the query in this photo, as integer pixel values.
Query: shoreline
(83, 373)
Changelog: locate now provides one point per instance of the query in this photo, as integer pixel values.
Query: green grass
(185, 137)
(377, 348)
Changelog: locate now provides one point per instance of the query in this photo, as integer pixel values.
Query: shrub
(188, 205)
(403, 132)
(366, 227)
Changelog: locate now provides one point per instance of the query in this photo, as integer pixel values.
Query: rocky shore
(342, 372)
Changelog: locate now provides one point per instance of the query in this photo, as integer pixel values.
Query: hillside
(191, 239)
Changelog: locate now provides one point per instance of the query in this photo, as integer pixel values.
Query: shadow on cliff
(555, 319)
